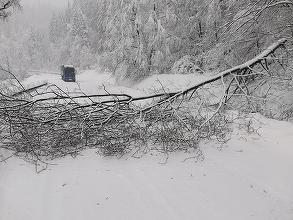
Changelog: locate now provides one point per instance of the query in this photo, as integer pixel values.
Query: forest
(138, 38)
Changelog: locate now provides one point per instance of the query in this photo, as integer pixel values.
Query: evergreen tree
(87, 59)
(79, 27)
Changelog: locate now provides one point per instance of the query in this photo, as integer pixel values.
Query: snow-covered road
(92, 82)
(250, 178)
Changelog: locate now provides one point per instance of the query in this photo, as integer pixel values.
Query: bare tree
(7, 5)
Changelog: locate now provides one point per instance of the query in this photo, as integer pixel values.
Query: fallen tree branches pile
(53, 123)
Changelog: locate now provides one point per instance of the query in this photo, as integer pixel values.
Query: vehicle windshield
(69, 70)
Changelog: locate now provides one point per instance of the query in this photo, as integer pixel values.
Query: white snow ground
(250, 178)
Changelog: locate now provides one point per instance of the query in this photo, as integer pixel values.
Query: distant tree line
(6, 6)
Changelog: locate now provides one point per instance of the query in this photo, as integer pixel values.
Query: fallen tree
(53, 123)
(29, 90)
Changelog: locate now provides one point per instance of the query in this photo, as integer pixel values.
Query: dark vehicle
(68, 73)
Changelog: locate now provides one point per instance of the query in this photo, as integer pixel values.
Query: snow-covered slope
(250, 178)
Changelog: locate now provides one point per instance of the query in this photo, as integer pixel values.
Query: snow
(169, 83)
(92, 82)
(68, 65)
(249, 178)
(89, 82)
